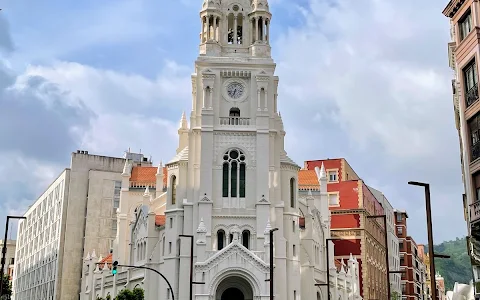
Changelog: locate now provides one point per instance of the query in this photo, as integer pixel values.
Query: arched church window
(319, 297)
(235, 26)
(230, 238)
(174, 189)
(220, 239)
(246, 238)
(234, 174)
(292, 192)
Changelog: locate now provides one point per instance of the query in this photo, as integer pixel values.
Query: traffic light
(114, 267)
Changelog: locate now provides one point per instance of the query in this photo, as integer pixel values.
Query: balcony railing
(475, 211)
(234, 121)
(475, 151)
(472, 95)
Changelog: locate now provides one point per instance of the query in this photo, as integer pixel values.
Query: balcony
(474, 211)
(471, 96)
(234, 121)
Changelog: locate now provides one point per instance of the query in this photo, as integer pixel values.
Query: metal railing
(234, 121)
(471, 96)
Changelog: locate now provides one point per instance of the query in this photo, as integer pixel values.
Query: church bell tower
(233, 180)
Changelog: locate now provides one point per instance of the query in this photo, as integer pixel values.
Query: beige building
(464, 51)
(9, 257)
(77, 210)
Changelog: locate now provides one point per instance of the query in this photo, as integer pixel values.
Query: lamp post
(384, 217)
(430, 232)
(191, 264)
(271, 261)
(4, 250)
(328, 266)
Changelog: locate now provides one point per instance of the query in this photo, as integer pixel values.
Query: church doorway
(234, 288)
(232, 294)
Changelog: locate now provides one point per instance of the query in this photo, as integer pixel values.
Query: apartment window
(465, 25)
(332, 176)
(404, 288)
(474, 127)
(400, 245)
(402, 260)
(476, 182)
(114, 225)
(470, 76)
(333, 199)
(399, 230)
(399, 218)
(292, 192)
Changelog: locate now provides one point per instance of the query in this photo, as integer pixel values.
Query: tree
(395, 295)
(138, 294)
(126, 294)
(7, 287)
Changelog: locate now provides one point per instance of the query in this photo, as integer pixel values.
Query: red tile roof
(107, 259)
(147, 175)
(160, 220)
(307, 180)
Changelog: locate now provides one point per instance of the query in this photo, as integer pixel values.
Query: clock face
(235, 90)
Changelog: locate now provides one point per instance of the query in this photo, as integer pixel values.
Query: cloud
(373, 86)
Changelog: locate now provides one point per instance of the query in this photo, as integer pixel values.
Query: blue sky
(365, 80)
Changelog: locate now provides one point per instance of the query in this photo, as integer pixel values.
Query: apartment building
(463, 52)
(351, 202)
(9, 257)
(77, 210)
(410, 261)
(393, 250)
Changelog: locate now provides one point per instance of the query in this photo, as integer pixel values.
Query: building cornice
(452, 7)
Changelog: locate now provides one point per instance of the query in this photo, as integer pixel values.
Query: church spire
(183, 122)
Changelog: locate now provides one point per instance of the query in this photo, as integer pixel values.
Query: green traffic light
(114, 272)
(114, 267)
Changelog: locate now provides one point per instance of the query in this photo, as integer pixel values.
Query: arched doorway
(232, 294)
(234, 288)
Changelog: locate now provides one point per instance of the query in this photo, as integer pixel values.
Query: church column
(262, 24)
(203, 30)
(256, 29)
(268, 31)
(235, 29)
(208, 28)
(244, 25)
(266, 100)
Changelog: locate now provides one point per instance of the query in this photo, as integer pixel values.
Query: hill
(458, 267)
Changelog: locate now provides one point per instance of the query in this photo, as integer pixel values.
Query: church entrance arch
(234, 288)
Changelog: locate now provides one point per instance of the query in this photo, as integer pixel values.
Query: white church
(229, 184)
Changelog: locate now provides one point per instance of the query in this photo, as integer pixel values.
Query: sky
(365, 80)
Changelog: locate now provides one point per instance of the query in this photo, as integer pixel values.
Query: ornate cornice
(453, 7)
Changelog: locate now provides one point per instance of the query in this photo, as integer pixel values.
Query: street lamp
(328, 266)
(271, 261)
(4, 250)
(191, 264)
(430, 232)
(384, 217)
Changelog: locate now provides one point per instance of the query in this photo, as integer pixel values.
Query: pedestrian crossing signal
(114, 267)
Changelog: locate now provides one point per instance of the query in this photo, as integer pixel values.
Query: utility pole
(191, 264)
(271, 262)
(431, 253)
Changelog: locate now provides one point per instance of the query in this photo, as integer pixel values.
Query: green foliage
(395, 295)
(7, 288)
(457, 268)
(136, 294)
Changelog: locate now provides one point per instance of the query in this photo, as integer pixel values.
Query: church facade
(229, 184)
